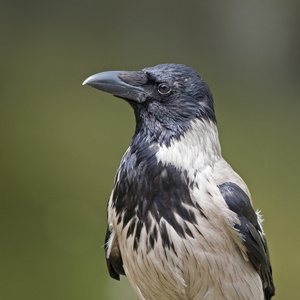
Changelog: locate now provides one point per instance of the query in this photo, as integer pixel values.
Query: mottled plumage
(180, 221)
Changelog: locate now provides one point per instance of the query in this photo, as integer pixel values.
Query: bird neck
(193, 151)
(151, 128)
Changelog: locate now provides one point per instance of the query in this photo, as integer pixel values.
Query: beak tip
(85, 82)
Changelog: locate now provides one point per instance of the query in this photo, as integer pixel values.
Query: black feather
(147, 191)
(114, 260)
(255, 242)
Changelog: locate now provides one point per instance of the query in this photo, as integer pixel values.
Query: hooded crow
(180, 221)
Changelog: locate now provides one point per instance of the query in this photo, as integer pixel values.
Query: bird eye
(164, 89)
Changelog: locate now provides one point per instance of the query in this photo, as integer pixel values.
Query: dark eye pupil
(164, 88)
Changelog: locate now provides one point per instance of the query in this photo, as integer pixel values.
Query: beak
(110, 82)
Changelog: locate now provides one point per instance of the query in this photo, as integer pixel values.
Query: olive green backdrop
(60, 143)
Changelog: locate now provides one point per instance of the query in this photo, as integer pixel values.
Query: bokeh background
(61, 143)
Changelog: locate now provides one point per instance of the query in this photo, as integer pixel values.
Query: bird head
(165, 98)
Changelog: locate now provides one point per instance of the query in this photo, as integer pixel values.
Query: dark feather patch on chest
(148, 195)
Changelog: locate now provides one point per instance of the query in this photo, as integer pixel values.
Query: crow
(180, 221)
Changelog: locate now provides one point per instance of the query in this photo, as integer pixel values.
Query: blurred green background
(61, 143)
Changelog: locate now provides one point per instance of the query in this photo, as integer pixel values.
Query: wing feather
(252, 233)
(113, 255)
